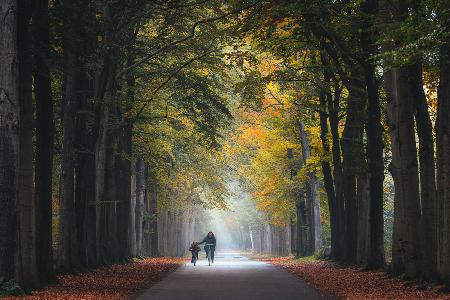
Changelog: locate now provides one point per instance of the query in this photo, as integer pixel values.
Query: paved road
(231, 277)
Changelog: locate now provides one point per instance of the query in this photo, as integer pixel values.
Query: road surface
(231, 277)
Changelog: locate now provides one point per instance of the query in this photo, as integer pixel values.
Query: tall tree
(443, 153)
(140, 205)
(404, 170)
(73, 34)
(9, 136)
(369, 8)
(153, 187)
(428, 228)
(27, 269)
(44, 140)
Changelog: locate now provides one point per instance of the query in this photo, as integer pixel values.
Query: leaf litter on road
(119, 281)
(351, 283)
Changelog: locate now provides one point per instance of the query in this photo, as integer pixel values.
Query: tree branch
(191, 35)
(165, 82)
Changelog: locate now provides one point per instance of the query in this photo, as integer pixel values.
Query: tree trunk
(146, 223)
(124, 207)
(428, 228)
(100, 164)
(9, 136)
(333, 109)
(327, 175)
(312, 197)
(85, 174)
(404, 170)
(27, 268)
(67, 254)
(443, 160)
(113, 183)
(140, 193)
(44, 141)
(374, 139)
(363, 206)
(132, 218)
(353, 162)
(302, 240)
(154, 213)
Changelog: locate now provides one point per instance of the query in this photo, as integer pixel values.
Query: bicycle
(194, 248)
(209, 253)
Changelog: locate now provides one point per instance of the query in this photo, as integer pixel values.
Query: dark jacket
(194, 248)
(209, 240)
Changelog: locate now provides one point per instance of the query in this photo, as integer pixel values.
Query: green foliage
(322, 253)
(10, 288)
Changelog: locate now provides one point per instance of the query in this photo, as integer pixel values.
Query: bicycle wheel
(209, 258)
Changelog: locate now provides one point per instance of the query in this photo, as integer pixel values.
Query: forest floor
(119, 281)
(352, 283)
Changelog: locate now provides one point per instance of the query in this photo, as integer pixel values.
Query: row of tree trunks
(356, 225)
(415, 197)
(149, 228)
(26, 244)
(94, 224)
(415, 227)
(29, 233)
(271, 239)
(176, 231)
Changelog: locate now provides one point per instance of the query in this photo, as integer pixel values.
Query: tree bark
(374, 146)
(44, 141)
(154, 213)
(302, 239)
(428, 229)
(326, 171)
(67, 247)
(443, 159)
(140, 190)
(9, 136)
(353, 162)
(333, 109)
(404, 170)
(132, 219)
(27, 268)
(146, 223)
(312, 200)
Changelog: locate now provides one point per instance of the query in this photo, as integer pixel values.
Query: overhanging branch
(190, 36)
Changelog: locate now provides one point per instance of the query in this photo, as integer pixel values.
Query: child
(195, 248)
